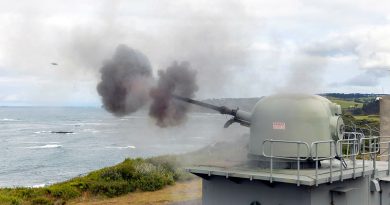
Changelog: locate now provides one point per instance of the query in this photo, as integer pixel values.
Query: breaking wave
(38, 185)
(47, 146)
(8, 120)
(54, 132)
(125, 147)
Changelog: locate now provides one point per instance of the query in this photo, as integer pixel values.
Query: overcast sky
(245, 48)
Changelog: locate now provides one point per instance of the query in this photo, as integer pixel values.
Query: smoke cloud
(126, 86)
(177, 79)
(305, 75)
(125, 81)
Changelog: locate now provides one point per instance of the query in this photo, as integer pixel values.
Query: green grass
(372, 118)
(345, 104)
(130, 175)
(362, 123)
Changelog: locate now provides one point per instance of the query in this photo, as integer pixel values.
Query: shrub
(132, 174)
(182, 175)
(6, 199)
(149, 177)
(126, 169)
(41, 201)
(111, 175)
(111, 189)
(64, 191)
(153, 181)
(28, 193)
(173, 165)
(80, 184)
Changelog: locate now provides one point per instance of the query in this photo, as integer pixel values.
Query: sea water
(45, 145)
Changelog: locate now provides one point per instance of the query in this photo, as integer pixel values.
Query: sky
(246, 48)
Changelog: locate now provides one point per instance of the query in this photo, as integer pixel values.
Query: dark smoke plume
(177, 79)
(125, 81)
(126, 86)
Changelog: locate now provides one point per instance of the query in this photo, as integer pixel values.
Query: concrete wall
(385, 194)
(385, 115)
(358, 193)
(219, 190)
(385, 122)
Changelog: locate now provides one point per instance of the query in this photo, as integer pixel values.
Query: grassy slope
(361, 121)
(345, 103)
(372, 118)
(138, 176)
(180, 192)
(132, 175)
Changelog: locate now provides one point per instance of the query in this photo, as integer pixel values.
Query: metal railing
(352, 144)
(298, 157)
(387, 155)
(330, 157)
(349, 152)
(371, 150)
(351, 147)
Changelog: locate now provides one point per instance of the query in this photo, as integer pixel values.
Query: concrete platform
(325, 174)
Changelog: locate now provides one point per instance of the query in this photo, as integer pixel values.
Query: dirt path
(186, 193)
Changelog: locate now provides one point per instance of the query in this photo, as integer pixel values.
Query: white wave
(36, 142)
(125, 147)
(55, 132)
(38, 185)
(8, 120)
(91, 130)
(48, 146)
(132, 117)
(40, 132)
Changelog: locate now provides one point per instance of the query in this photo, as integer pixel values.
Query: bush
(126, 169)
(6, 199)
(172, 164)
(132, 174)
(64, 191)
(41, 201)
(153, 182)
(29, 193)
(111, 189)
(149, 177)
(111, 175)
(80, 184)
(182, 175)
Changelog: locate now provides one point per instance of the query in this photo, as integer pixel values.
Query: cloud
(370, 45)
(240, 48)
(215, 37)
(333, 47)
(369, 77)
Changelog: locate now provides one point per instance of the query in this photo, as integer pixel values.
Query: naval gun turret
(290, 132)
(285, 118)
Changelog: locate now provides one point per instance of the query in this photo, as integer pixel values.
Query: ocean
(44, 145)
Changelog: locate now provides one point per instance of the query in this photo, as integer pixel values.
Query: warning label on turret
(279, 125)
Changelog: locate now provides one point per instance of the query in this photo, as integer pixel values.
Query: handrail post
(374, 161)
(299, 164)
(341, 162)
(330, 165)
(271, 161)
(316, 164)
(354, 157)
(363, 154)
(388, 158)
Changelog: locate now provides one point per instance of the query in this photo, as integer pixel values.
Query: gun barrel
(202, 104)
(239, 116)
